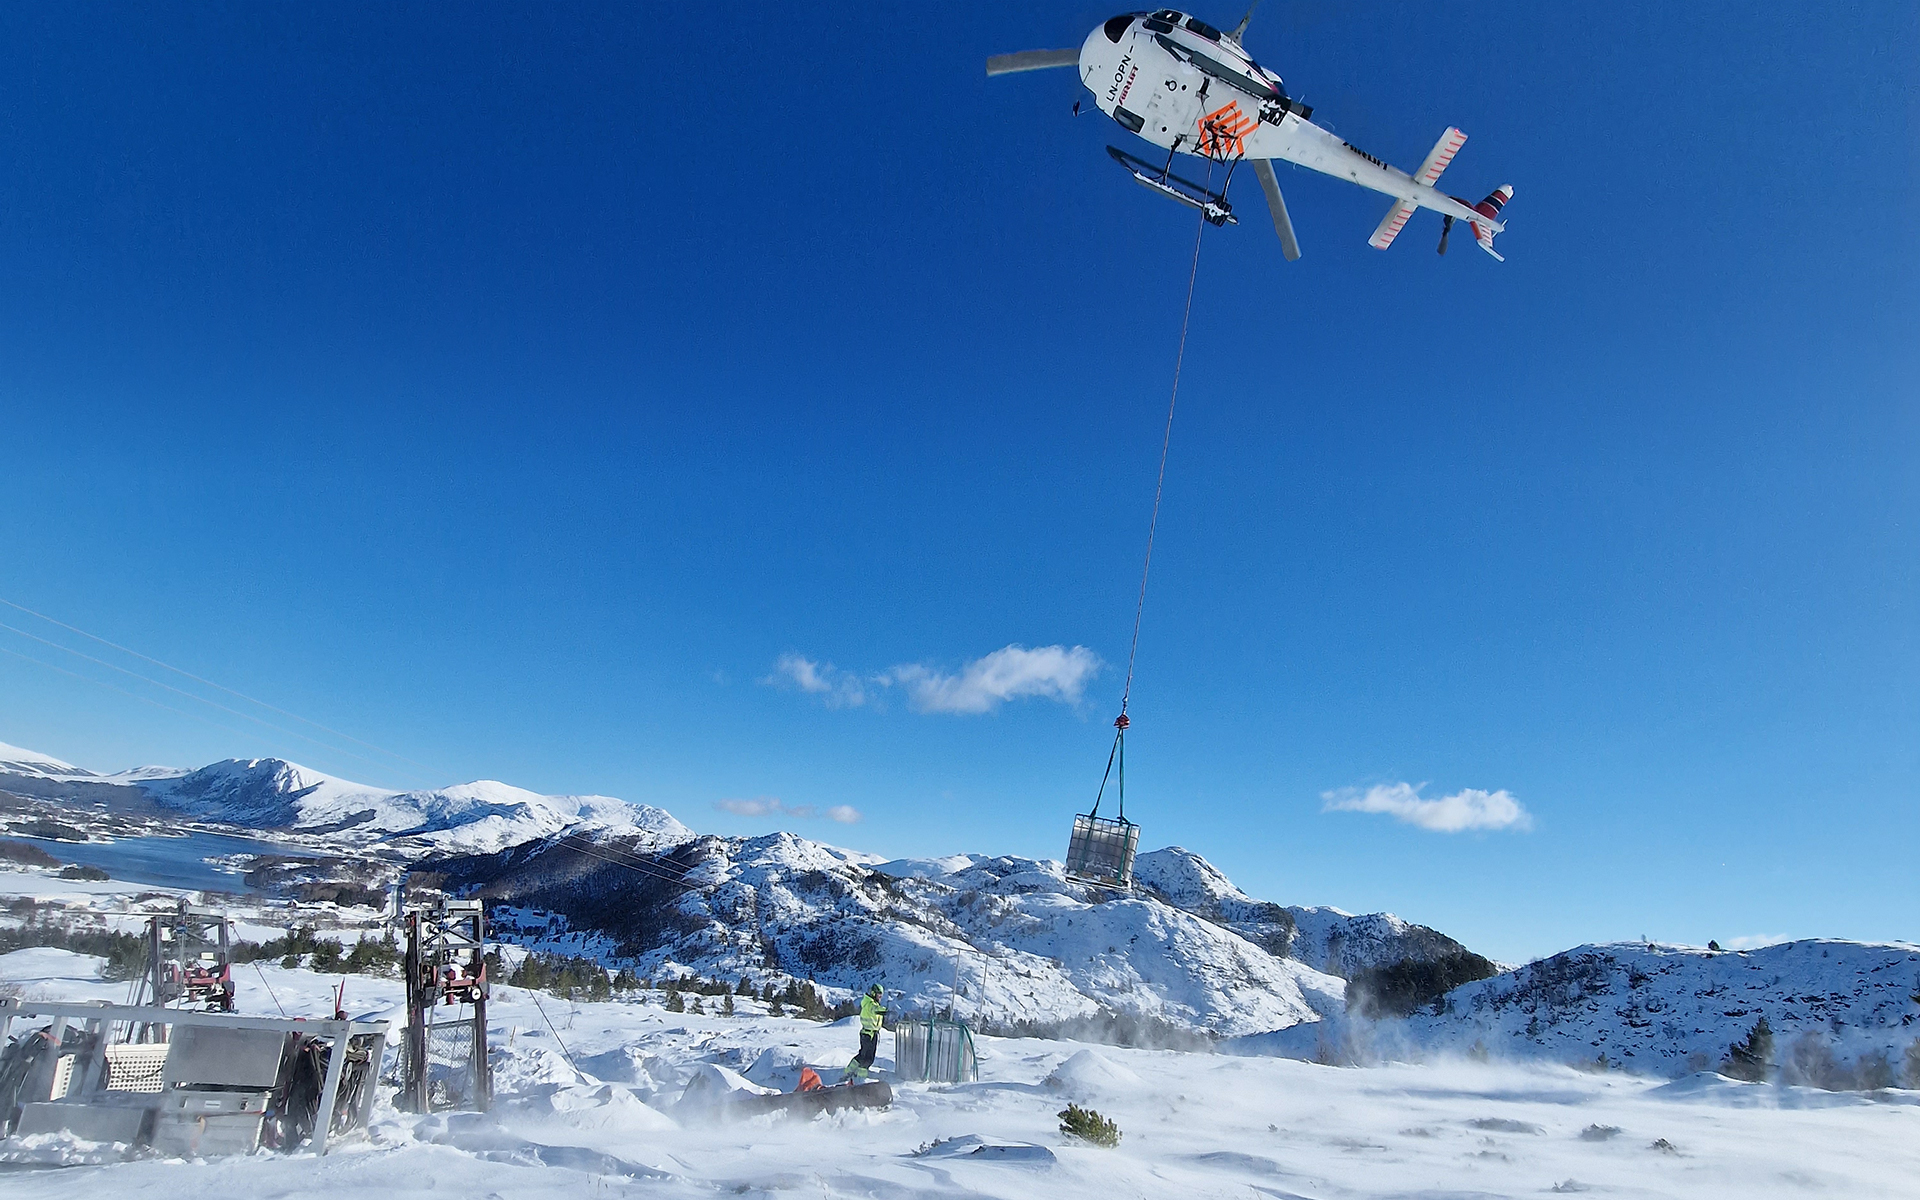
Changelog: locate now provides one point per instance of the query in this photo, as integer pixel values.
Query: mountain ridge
(1015, 944)
(277, 795)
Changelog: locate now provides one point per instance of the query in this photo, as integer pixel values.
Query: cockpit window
(1203, 29)
(1117, 27)
(1157, 25)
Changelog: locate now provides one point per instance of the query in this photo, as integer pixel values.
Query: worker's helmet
(874, 991)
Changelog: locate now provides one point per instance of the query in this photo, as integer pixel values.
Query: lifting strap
(1118, 755)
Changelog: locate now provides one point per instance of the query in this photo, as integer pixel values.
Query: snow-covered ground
(1192, 1124)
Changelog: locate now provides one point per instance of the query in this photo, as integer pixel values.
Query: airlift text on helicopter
(1192, 89)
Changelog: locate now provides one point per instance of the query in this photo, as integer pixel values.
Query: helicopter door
(1169, 105)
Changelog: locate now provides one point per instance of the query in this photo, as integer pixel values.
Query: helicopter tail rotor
(1490, 209)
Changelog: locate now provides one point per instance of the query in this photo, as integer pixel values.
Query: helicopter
(1190, 88)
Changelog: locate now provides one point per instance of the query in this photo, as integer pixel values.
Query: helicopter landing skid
(1213, 205)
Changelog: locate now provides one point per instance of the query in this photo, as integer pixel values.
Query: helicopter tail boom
(1429, 174)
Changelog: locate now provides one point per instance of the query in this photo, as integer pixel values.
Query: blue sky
(516, 388)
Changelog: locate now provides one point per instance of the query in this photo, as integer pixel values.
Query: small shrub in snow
(1089, 1126)
(726, 1005)
(1811, 1064)
(1910, 1066)
(674, 1002)
(84, 873)
(1873, 1072)
(1599, 1133)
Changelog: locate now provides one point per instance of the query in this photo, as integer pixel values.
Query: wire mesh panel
(1102, 849)
(137, 1067)
(935, 1051)
(450, 1064)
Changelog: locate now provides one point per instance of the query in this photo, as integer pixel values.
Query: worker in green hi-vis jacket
(872, 1014)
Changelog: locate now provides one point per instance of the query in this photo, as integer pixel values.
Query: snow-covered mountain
(33, 765)
(1013, 943)
(480, 817)
(271, 794)
(1328, 939)
(1833, 1007)
(1024, 945)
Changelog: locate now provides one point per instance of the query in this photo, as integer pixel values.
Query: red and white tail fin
(1429, 172)
(1490, 209)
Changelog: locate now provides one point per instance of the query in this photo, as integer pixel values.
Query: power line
(210, 683)
(210, 703)
(124, 692)
(579, 845)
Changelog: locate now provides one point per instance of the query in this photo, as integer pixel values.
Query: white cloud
(1469, 808)
(1754, 941)
(763, 806)
(1013, 672)
(1009, 673)
(840, 689)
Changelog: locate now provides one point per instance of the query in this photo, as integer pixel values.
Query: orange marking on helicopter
(1223, 132)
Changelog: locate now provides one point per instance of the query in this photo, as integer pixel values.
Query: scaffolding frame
(446, 965)
(99, 1018)
(177, 944)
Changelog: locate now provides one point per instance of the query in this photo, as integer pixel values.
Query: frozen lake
(165, 861)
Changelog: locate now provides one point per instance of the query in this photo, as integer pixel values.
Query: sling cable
(1102, 849)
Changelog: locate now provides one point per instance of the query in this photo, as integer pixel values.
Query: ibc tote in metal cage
(1102, 848)
(934, 1050)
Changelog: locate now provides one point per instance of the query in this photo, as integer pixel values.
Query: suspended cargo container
(1102, 849)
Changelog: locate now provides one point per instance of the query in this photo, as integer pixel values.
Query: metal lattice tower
(444, 1062)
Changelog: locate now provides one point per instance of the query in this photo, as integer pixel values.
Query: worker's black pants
(869, 1046)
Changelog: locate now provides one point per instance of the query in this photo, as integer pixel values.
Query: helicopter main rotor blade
(1032, 60)
(1282, 224)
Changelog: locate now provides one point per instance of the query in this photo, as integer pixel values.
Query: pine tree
(1910, 1067)
(1752, 1059)
(726, 1006)
(774, 1008)
(693, 1006)
(745, 988)
(674, 1003)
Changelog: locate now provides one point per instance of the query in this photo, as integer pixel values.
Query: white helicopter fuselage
(1188, 88)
